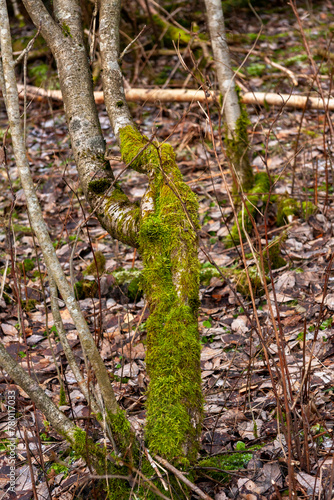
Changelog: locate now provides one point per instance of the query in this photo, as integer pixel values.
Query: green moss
(171, 32)
(29, 304)
(92, 453)
(66, 30)
(207, 273)
(259, 190)
(308, 208)
(234, 461)
(97, 266)
(119, 104)
(168, 244)
(289, 207)
(39, 73)
(179, 491)
(97, 455)
(59, 469)
(121, 429)
(285, 208)
(118, 196)
(276, 260)
(85, 289)
(130, 281)
(256, 69)
(99, 186)
(28, 264)
(62, 395)
(237, 151)
(22, 229)
(294, 59)
(117, 489)
(242, 282)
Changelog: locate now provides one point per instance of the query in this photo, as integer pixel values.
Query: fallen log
(157, 96)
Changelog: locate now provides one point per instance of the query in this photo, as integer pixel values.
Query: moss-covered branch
(168, 245)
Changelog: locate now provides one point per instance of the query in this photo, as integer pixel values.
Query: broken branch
(192, 95)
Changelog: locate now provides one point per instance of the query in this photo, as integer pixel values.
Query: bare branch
(58, 420)
(112, 77)
(157, 96)
(50, 30)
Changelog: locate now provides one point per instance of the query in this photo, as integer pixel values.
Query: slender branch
(50, 30)
(87, 141)
(157, 96)
(26, 51)
(112, 78)
(127, 48)
(221, 54)
(67, 348)
(181, 476)
(57, 419)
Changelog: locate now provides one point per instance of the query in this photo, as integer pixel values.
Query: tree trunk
(235, 117)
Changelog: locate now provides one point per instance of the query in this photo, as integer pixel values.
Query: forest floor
(242, 423)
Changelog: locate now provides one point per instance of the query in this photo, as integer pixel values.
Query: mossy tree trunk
(163, 227)
(235, 117)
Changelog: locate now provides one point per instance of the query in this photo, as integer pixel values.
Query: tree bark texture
(168, 245)
(235, 117)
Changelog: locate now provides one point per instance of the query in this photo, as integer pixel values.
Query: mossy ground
(168, 245)
(289, 207)
(130, 282)
(97, 266)
(172, 33)
(259, 191)
(96, 456)
(85, 289)
(215, 466)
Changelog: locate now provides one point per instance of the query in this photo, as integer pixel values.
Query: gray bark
(221, 55)
(86, 391)
(56, 418)
(87, 141)
(237, 143)
(112, 77)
